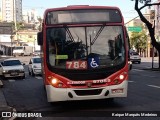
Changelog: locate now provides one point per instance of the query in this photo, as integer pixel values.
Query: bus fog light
(121, 77)
(60, 85)
(116, 81)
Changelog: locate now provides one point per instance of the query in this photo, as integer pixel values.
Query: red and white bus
(85, 53)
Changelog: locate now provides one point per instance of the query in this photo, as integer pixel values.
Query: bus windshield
(89, 47)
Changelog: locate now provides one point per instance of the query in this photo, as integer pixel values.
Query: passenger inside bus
(111, 44)
(54, 49)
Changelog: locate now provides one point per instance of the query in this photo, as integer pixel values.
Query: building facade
(12, 10)
(157, 21)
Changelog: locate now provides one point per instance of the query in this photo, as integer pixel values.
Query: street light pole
(15, 18)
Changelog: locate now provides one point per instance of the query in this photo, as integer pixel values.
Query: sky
(126, 6)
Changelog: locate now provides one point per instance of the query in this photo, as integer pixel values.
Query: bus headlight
(56, 82)
(121, 77)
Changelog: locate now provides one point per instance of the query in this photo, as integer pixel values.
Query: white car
(36, 53)
(135, 57)
(34, 67)
(12, 68)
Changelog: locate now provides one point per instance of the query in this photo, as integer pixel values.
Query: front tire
(3, 77)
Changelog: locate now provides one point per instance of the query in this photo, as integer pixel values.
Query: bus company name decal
(84, 82)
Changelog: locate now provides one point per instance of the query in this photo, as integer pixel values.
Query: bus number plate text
(76, 65)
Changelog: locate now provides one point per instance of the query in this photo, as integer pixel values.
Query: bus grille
(88, 92)
(87, 76)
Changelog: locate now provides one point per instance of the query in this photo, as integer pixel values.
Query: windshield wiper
(69, 33)
(97, 35)
(116, 58)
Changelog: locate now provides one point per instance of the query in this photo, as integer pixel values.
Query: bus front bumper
(69, 94)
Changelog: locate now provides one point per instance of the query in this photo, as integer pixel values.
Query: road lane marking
(1, 83)
(130, 81)
(11, 80)
(149, 76)
(37, 77)
(137, 70)
(154, 86)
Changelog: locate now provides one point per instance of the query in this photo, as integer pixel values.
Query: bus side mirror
(40, 38)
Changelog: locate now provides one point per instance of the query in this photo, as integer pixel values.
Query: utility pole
(134, 19)
(15, 18)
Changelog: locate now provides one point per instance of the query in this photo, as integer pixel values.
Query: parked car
(34, 67)
(12, 68)
(135, 57)
(36, 53)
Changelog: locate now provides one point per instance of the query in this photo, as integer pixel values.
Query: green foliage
(19, 26)
(139, 40)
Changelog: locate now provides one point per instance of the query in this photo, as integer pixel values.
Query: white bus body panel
(61, 94)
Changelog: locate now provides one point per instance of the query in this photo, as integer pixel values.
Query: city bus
(84, 53)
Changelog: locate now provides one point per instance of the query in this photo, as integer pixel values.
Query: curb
(1, 84)
(4, 108)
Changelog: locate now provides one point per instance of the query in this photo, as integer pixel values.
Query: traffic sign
(135, 29)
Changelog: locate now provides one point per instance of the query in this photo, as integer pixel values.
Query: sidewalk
(3, 104)
(146, 64)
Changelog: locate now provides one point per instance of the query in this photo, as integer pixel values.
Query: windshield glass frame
(99, 27)
(37, 60)
(11, 63)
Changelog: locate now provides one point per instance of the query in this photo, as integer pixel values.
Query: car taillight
(56, 82)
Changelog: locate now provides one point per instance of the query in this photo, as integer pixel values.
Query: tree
(139, 41)
(149, 25)
(40, 21)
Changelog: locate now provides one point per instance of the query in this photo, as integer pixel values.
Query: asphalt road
(28, 95)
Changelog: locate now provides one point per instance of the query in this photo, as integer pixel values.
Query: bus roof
(72, 7)
(59, 17)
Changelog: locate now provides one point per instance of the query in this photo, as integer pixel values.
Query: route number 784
(76, 65)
